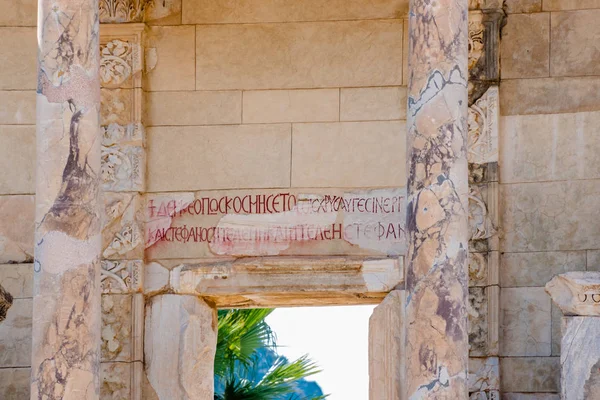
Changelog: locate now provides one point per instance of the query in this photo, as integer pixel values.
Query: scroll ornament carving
(480, 223)
(119, 61)
(476, 31)
(478, 270)
(121, 276)
(123, 10)
(122, 232)
(483, 128)
(122, 157)
(478, 330)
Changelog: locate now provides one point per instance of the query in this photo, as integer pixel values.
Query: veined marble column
(66, 314)
(436, 281)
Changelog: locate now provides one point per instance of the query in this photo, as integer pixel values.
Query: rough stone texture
(18, 49)
(175, 65)
(538, 96)
(116, 381)
(530, 374)
(530, 396)
(387, 366)
(571, 153)
(249, 11)
(193, 108)
(15, 335)
(574, 43)
(272, 106)
(247, 156)
(523, 6)
(373, 104)
(66, 304)
(524, 49)
(14, 383)
(156, 278)
(17, 214)
(283, 56)
(180, 342)
(536, 269)
(437, 190)
(576, 293)
(484, 378)
(121, 327)
(525, 315)
(17, 279)
(580, 358)
(17, 155)
(333, 162)
(17, 107)
(557, 5)
(6, 301)
(550, 216)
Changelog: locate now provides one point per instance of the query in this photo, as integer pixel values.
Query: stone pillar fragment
(387, 365)
(66, 316)
(437, 224)
(179, 347)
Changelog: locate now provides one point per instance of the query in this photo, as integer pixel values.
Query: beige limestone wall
(549, 174)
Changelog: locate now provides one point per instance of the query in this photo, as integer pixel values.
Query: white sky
(337, 338)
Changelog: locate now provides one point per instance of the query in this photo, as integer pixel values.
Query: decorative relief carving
(123, 10)
(478, 269)
(116, 327)
(121, 276)
(478, 322)
(476, 41)
(119, 61)
(483, 128)
(480, 223)
(122, 233)
(123, 158)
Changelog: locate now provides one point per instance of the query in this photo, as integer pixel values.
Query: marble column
(66, 305)
(437, 225)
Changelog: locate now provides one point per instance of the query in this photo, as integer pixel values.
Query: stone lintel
(280, 281)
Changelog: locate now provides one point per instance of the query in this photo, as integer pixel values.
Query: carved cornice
(120, 11)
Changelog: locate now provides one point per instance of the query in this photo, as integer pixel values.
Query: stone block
(122, 325)
(580, 359)
(18, 13)
(175, 64)
(523, 6)
(373, 104)
(299, 55)
(272, 106)
(560, 5)
(524, 49)
(165, 12)
(193, 108)
(17, 107)
(387, 365)
(15, 383)
(536, 269)
(17, 155)
(17, 214)
(179, 362)
(549, 95)
(525, 320)
(251, 11)
(246, 156)
(17, 279)
(530, 374)
(550, 216)
(15, 335)
(550, 147)
(156, 278)
(18, 64)
(484, 376)
(574, 43)
(334, 161)
(530, 396)
(576, 293)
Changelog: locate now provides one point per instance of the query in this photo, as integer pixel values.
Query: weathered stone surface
(120, 106)
(530, 374)
(387, 365)
(484, 378)
(122, 317)
(165, 12)
(156, 278)
(536, 269)
(543, 147)
(576, 293)
(256, 156)
(17, 107)
(524, 49)
(193, 108)
(123, 158)
(17, 214)
(373, 104)
(176, 61)
(333, 162)
(248, 11)
(524, 6)
(580, 358)
(550, 216)
(478, 321)
(14, 383)
(6, 302)
(17, 279)
(119, 11)
(15, 335)
(557, 317)
(575, 50)
(525, 315)
(530, 396)
(17, 155)
(559, 5)
(179, 362)
(123, 276)
(283, 56)
(121, 381)
(17, 65)
(18, 13)
(272, 106)
(483, 128)
(122, 226)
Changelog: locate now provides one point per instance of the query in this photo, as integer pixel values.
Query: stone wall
(549, 173)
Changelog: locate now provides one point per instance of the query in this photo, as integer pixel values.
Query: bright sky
(337, 338)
